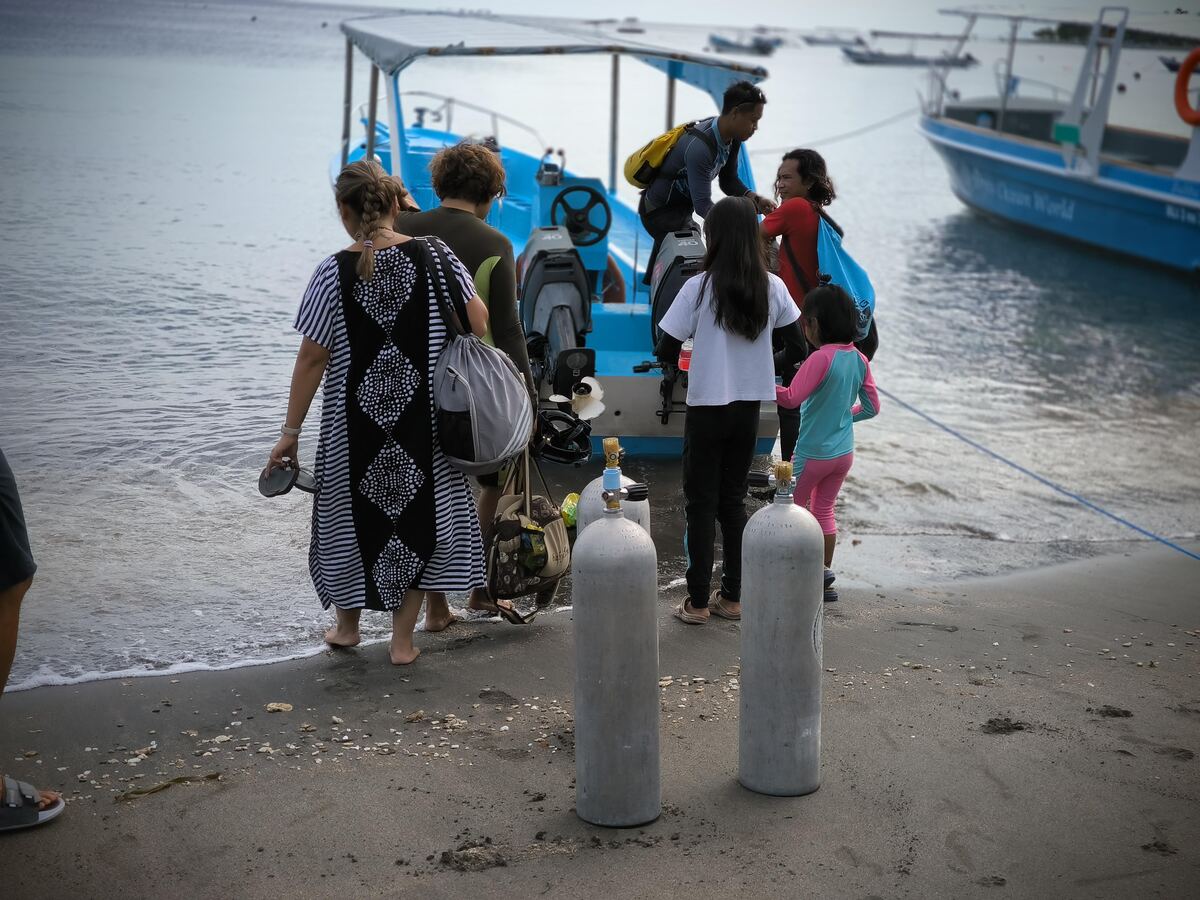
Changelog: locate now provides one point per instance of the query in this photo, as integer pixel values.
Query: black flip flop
(306, 481)
(279, 480)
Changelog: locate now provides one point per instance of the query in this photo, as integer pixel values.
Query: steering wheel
(577, 215)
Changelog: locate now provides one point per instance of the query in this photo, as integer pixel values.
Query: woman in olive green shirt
(468, 178)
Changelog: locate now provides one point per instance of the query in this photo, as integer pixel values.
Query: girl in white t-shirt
(730, 310)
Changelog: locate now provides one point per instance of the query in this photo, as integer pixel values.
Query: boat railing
(1017, 82)
(444, 113)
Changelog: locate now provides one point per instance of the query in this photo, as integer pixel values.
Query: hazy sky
(862, 14)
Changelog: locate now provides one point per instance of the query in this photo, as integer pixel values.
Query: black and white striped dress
(390, 514)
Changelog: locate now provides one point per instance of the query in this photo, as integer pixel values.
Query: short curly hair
(467, 171)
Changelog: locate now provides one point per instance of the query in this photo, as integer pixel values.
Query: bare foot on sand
(403, 656)
(438, 616)
(480, 601)
(339, 637)
(344, 632)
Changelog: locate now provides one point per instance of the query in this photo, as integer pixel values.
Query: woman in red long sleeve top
(803, 186)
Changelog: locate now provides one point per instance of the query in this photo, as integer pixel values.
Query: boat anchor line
(846, 135)
(1078, 498)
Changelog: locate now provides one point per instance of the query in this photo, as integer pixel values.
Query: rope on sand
(840, 137)
(1035, 476)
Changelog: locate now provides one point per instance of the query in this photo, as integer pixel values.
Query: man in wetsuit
(468, 178)
(709, 150)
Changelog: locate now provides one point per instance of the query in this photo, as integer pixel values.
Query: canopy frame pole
(670, 102)
(346, 101)
(1008, 72)
(371, 111)
(612, 123)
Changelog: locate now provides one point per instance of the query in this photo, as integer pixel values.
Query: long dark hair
(811, 165)
(834, 312)
(735, 267)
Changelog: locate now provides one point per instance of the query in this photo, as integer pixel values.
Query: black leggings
(789, 419)
(718, 447)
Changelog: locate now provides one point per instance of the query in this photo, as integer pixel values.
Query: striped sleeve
(318, 308)
(465, 281)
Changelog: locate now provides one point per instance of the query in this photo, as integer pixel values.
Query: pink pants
(818, 482)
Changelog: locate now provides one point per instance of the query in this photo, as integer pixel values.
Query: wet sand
(1028, 735)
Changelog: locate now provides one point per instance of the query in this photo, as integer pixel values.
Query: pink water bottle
(685, 356)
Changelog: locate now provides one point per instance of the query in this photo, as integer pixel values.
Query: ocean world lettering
(1183, 214)
(1050, 205)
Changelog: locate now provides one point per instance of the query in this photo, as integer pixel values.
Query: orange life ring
(613, 283)
(1185, 109)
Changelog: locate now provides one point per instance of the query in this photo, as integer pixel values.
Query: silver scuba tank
(614, 572)
(591, 505)
(779, 739)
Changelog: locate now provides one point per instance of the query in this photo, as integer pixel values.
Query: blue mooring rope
(1036, 477)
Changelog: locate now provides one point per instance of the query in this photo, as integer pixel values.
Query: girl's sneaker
(831, 593)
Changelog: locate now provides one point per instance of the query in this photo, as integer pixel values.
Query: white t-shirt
(726, 367)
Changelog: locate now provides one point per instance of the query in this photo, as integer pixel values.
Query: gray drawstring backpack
(484, 415)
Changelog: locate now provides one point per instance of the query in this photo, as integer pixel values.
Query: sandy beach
(1029, 735)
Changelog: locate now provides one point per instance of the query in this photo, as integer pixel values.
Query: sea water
(164, 182)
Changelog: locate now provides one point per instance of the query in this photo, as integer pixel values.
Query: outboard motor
(679, 258)
(556, 308)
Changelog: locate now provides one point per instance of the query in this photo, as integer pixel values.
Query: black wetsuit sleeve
(667, 349)
(793, 347)
(727, 178)
(507, 333)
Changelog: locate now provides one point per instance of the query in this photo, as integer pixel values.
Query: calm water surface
(165, 199)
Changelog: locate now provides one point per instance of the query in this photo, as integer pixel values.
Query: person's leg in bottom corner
(737, 454)
(10, 620)
(701, 493)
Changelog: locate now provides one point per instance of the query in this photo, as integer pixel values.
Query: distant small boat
(631, 29)
(1171, 62)
(869, 57)
(755, 46)
(833, 40)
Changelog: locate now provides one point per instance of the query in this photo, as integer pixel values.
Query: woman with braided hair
(390, 519)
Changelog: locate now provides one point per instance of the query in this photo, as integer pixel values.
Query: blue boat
(581, 250)
(1057, 165)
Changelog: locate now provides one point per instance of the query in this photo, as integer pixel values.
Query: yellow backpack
(644, 164)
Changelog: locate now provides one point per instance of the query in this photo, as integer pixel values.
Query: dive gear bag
(484, 415)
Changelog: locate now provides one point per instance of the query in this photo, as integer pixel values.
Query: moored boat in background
(1057, 164)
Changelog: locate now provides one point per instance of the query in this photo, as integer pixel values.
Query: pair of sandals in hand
(276, 480)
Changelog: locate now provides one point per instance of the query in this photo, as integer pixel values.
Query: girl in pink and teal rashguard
(826, 389)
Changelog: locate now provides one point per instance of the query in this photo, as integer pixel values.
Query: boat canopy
(1183, 24)
(396, 40)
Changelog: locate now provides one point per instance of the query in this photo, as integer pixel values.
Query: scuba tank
(783, 566)
(591, 504)
(614, 571)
